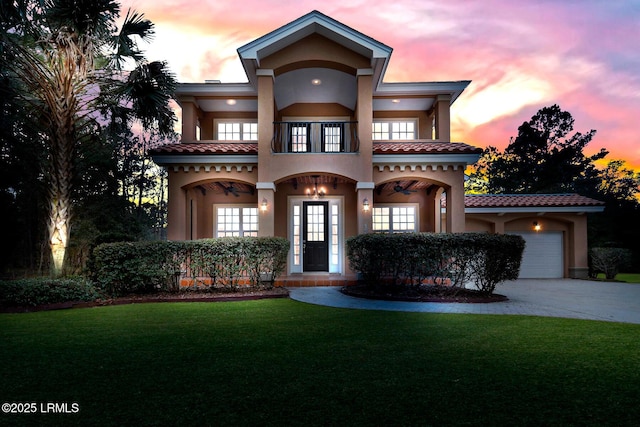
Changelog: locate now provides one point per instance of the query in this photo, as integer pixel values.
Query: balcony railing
(315, 137)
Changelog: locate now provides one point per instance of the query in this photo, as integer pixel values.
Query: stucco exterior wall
(315, 110)
(315, 51)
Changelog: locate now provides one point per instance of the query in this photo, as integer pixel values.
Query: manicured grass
(629, 277)
(280, 363)
(625, 277)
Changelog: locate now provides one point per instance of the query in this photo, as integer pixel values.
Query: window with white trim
(238, 221)
(335, 237)
(395, 218)
(297, 227)
(395, 129)
(237, 131)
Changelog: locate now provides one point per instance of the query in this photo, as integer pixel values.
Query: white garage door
(543, 256)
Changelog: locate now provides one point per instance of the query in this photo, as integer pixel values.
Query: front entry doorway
(315, 232)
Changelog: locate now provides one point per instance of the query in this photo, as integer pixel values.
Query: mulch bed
(185, 296)
(424, 293)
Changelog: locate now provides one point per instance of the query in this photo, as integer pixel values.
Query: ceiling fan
(233, 190)
(404, 190)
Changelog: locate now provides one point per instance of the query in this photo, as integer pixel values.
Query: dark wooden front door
(315, 243)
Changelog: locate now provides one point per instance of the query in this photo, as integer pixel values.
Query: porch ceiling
(405, 187)
(324, 180)
(234, 188)
(315, 85)
(228, 188)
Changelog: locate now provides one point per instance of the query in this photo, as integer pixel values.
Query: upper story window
(395, 129)
(237, 130)
(303, 135)
(315, 135)
(395, 218)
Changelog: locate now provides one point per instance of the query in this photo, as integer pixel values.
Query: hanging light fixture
(316, 193)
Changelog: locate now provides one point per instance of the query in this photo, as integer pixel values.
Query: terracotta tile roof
(528, 200)
(208, 148)
(424, 148)
(378, 148)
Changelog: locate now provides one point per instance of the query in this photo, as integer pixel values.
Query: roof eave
(533, 209)
(453, 88)
(427, 159)
(206, 159)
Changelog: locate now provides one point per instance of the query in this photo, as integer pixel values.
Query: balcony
(315, 137)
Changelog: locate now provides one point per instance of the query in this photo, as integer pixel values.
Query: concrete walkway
(578, 299)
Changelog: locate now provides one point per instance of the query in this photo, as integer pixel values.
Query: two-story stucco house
(317, 147)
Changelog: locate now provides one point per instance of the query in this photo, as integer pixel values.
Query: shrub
(122, 268)
(31, 292)
(609, 261)
(497, 258)
(484, 260)
(267, 259)
(135, 267)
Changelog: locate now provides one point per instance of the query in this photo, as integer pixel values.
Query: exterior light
(316, 193)
(264, 205)
(316, 82)
(536, 226)
(365, 205)
(395, 101)
(231, 102)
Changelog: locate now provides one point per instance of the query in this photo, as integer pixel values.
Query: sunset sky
(583, 55)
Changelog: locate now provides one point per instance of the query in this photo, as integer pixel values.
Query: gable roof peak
(314, 22)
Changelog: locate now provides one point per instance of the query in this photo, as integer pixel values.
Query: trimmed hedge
(409, 258)
(135, 267)
(31, 292)
(228, 262)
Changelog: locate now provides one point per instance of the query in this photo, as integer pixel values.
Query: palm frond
(94, 17)
(149, 88)
(125, 44)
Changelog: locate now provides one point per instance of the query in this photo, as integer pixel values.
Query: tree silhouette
(68, 58)
(543, 158)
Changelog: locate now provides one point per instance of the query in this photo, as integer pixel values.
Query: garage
(543, 255)
(554, 226)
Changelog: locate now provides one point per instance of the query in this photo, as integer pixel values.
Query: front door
(315, 241)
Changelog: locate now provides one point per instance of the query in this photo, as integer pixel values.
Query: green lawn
(281, 362)
(625, 277)
(629, 277)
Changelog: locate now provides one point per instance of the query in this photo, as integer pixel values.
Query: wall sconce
(263, 205)
(365, 205)
(536, 226)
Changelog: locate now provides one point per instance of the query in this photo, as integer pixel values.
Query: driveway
(571, 298)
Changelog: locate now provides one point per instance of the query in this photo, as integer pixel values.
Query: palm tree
(70, 59)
